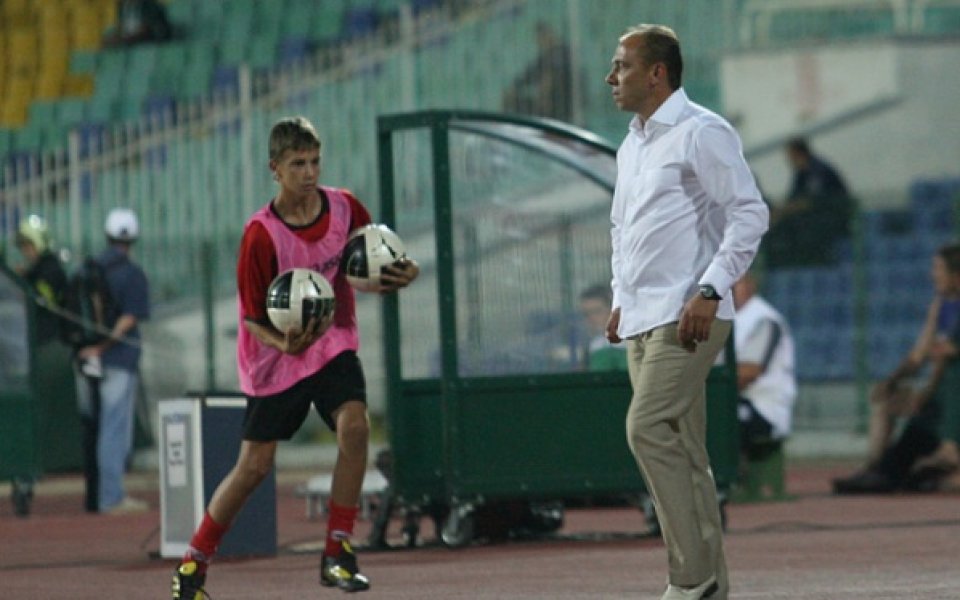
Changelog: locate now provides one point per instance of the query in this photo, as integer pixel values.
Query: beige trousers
(666, 430)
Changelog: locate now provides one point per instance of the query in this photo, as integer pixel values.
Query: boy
(305, 225)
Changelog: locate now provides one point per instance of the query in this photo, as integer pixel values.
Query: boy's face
(595, 312)
(297, 172)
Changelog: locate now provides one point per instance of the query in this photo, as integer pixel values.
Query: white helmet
(122, 225)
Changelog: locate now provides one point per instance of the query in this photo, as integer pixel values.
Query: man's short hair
(950, 253)
(799, 145)
(660, 45)
(292, 133)
(598, 292)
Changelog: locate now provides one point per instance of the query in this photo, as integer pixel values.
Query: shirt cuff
(719, 279)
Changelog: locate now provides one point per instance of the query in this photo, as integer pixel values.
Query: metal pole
(75, 198)
(208, 268)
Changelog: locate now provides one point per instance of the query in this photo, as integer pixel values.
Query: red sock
(339, 526)
(205, 540)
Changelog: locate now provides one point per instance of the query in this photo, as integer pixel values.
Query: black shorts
(755, 431)
(279, 416)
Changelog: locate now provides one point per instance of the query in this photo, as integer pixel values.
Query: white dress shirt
(686, 211)
(762, 337)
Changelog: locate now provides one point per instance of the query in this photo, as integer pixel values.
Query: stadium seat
(86, 25)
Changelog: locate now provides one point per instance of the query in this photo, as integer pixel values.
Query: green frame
(462, 440)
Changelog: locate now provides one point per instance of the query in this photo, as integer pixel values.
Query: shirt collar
(668, 113)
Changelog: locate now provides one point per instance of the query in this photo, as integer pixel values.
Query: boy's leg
(338, 565)
(253, 465)
(353, 431)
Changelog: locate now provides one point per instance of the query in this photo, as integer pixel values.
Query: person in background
(816, 214)
(139, 22)
(45, 274)
(543, 88)
(765, 371)
(600, 354)
(686, 222)
(109, 378)
(283, 374)
(907, 397)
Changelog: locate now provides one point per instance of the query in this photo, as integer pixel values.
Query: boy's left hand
(399, 275)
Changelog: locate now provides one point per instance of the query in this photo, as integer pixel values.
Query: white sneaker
(128, 506)
(705, 590)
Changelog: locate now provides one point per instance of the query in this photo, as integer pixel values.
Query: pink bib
(264, 370)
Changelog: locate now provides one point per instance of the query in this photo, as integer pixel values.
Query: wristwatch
(709, 292)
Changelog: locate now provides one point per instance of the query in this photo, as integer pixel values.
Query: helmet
(33, 230)
(122, 225)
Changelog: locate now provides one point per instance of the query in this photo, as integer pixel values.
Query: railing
(906, 17)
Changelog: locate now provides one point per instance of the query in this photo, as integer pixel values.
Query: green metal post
(390, 308)
(207, 270)
(860, 322)
(446, 288)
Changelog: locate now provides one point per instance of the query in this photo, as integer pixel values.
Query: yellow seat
(78, 84)
(14, 112)
(22, 48)
(9, 8)
(49, 85)
(86, 25)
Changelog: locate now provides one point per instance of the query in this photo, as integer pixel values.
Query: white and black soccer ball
(368, 250)
(297, 295)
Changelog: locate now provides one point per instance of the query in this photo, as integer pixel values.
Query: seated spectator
(905, 396)
(138, 22)
(817, 212)
(600, 354)
(765, 371)
(544, 87)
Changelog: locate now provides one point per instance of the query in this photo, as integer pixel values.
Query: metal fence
(194, 173)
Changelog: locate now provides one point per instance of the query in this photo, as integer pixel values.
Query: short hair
(292, 133)
(799, 145)
(950, 253)
(660, 45)
(598, 292)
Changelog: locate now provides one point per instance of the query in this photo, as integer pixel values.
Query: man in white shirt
(765, 370)
(686, 222)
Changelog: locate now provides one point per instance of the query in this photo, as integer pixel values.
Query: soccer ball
(368, 250)
(297, 295)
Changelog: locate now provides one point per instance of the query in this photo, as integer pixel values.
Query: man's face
(944, 282)
(629, 76)
(298, 172)
(796, 159)
(27, 250)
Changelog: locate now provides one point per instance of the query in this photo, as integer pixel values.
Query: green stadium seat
(72, 111)
(83, 61)
(328, 22)
(297, 21)
(44, 111)
(170, 61)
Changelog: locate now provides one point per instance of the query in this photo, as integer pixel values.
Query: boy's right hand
(296, 341)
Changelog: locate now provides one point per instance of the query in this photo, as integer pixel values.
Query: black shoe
(865, 482)
(342, 571)
(188, 582)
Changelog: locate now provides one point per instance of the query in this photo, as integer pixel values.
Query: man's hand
(399, 275)
(613, 323)
(695, 321)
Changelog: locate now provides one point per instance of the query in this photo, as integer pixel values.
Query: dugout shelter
(486, 395)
